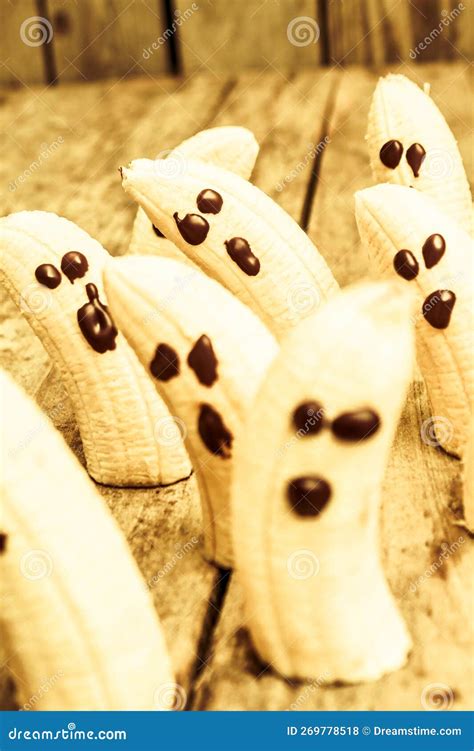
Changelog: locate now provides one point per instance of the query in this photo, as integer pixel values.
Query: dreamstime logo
(35, 299)
(169, 697)
(302, 298)
(302, 30)
(438, 164)
(170, 164)
(36, 564)
(447, 17)
(436, 431)
(302, 564)
(170, 431)
(445, 551)
(436, 697)
(35, 31)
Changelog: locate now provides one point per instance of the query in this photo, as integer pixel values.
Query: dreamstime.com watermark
(179, 19)
(446, 551)
(35, 31)
(169, 566)
(46, 151)
(302, 31)
(447, 18)
(46, 685)
(71, 733)
(309, 690)
(313, 150)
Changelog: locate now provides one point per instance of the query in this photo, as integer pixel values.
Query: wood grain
(427, 557)
(21, 57)
(101, 38)
(223, 37)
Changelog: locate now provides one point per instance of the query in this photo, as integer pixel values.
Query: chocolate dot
(165, 364)
(241, 253)
(193, 228)
(437, 308)
(406, 265)
(309, 418)
(3, 542)
(215, 436)
(203, 361)
(96, 323)
(415, 156)
(74, 265)
(309, 495)
(209, 201)
(48, 275)
(391, 153)
(433, 250)
(357, 425)
(157, 232)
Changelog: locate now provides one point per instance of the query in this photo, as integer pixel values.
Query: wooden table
(97, 127)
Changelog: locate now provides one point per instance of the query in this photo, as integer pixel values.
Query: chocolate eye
(308, 418)
(433, 250)
(74, 265)
(415, 156)
(391, 153)
(209, 201)
(241, 253)
(308, 495)
(406, 265)
(48, 275)
(203, 361)
(193, 228)
(165, 364)
(95, 322)
(437, 308)
(356, 426)
(3, 542)
(214, 433)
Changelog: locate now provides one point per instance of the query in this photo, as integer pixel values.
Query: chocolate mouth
(438, 307)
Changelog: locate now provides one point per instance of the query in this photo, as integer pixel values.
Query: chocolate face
(193, 228)
(214, 434)
(74, 265)
(309, 495)
(157, 232)
(48, 275)
(391, 153)
(437, 308)
(165, 364)
(209, 201)
(356, 426)
(96, 323)
(203, 361)
(406, 265)
(433, 250)
(309, 418)
(415, 156)
(241, 253)
(3, 542)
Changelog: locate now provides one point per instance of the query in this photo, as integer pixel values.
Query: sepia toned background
(88, 85)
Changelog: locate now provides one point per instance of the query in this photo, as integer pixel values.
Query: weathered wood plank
(426, 556)
(98, 38)
(373, 32)
(227, 37)
(21, 35)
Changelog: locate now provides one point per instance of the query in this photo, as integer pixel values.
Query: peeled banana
(237, 235)
(407, 235)
(52, 270)
(228, 146)
(207, 354)
(410, 143)
(78, 623)
(308, 469)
